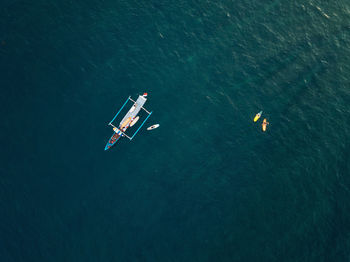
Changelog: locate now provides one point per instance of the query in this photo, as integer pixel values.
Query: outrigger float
(129, 120)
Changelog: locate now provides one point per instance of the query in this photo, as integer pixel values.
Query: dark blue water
(208, 185)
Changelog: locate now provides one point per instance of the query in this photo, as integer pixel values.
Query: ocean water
(208, 185)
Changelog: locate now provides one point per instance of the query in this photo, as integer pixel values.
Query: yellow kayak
(264, 124)
(257, 116)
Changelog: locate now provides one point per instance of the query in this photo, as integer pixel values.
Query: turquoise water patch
(208, 184)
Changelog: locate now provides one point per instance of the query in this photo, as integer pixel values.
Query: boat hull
(114, 138)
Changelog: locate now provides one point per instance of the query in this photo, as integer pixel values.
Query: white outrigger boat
(128, 121)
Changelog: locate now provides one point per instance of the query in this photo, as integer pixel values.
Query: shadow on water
(286, 58)
(305, 80)
(309, 77)
(283, 60)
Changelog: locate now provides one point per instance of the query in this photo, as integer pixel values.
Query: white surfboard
(153, 127)
(134, 121)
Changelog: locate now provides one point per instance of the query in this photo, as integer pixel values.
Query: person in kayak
(257, 116)
(264, 124)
